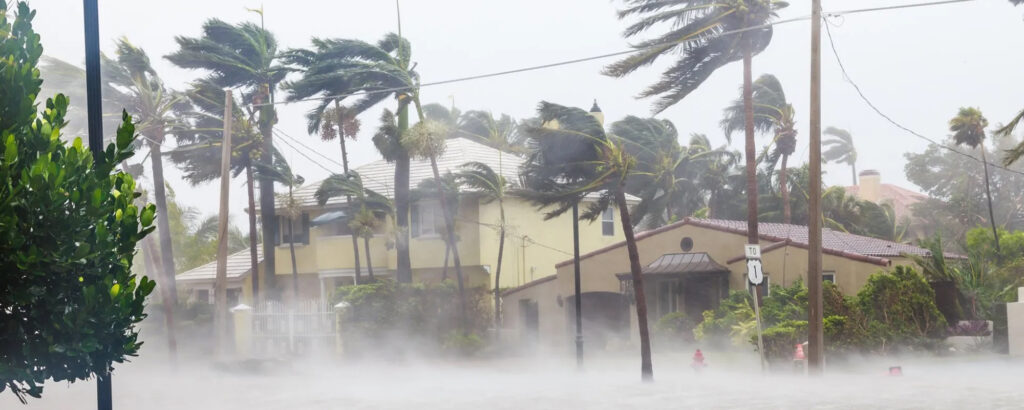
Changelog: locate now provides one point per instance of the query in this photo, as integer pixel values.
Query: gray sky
(918, 65)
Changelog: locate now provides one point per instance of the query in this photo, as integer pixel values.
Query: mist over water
(610, 381)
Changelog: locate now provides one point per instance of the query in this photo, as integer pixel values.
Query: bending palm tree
(492, 187)
(282, 173)
(840, 149)
(772, 113)
(244, 55)
(968, 128)
(577, 159)
(696, 34)
(500, 133)
(366, 208)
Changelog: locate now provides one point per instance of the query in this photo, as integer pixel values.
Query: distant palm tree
(366, 208)
(244, 55)
(491, 187)
(696, 35)
(840, 149)
(576, 159)
(291, 208)
(501, 133)
(968, 128)
(772, 113)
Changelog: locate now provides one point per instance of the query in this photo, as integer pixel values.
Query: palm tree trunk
(444, 269)
(369, 264)
(295, 268)
(991, 214)
(497, 271)
(450, 233)
(712, 199)
(268, 215)
(344, 166)
(853, 166)
(748, 114)
(787, 216)
(253, 259)
(403, 272)
(152, 259)
(646, 369)
(163, 226)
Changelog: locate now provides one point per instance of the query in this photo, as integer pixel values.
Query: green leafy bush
(675, 328)
(69, 302)
(900, 307)
(780, 340)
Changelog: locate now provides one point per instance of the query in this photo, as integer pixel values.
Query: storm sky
(917, 65)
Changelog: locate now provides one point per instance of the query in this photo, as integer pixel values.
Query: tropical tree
(575, 159)
(772, 113)
(840, 149)
(291, 208)
(367, 209)
(244, 55)
(968, 128)
(501, 133)
(491, 187)
(153, 106)
(375, 72)
(696, 34)
(428, 189)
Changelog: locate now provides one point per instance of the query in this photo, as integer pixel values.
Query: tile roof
(239, 265)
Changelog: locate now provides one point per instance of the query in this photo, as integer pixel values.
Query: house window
(829, 276)
(666, 298)
(202, 296)
(426, 219)
(765, 287)
(300, 229)
(608, 222)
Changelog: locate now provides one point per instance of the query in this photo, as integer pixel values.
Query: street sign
(754, 272)
(752, 251)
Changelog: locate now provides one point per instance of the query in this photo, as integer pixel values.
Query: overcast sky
(918, 65)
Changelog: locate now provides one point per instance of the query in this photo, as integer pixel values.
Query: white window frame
(827, 273)
(430, 219)
(608, 217)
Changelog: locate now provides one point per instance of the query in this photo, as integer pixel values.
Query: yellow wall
(552, 317)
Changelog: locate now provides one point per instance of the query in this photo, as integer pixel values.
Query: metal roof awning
(680, 264)
(327, 218)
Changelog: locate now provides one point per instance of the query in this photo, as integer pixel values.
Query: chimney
(870, 186)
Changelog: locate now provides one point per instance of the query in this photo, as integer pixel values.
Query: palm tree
(291, 208)
(427, 189)
(772, 113)
(696, 34)
(153, 106)
(577, 159)
(491, 187)
(366, 208)
(840, 149)
(244, 55)
(968, 128)
(198, 153)
(500, 133)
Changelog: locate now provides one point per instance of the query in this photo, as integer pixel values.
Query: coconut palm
(153, 106)
(427, 189)
(772, 113)
(366, 208)
(491, 187)
(840, 149)
(501, 133)
(968, 128)
(376, 72)
(576, 159)
(291, 208)
(244, 55)
(696, 35)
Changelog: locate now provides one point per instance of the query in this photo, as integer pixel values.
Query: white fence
(293, 328)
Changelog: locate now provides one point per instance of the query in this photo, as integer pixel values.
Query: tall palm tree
(491, 187)
(575, 159)
(377, 72)
(840, 149)
(244, 55)
(153, 106)
(772, 113)
(366, 208)
(428, 189)
(968, 128)
(696, 34)
(426, 140)
(291, 208)
(199, 149)
(501, 133)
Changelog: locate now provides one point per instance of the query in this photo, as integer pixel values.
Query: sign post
(755, 275)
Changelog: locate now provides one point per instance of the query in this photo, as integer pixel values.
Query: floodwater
(730, 381)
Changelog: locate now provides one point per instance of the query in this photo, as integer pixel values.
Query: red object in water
(895, 371)
(799, 354)
(698, 360)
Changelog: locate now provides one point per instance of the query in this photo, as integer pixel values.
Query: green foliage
(675, 327)
(461, 343)
(68, 230)
(780, 340)
(900, 306)
(981, 244)
(718, 325)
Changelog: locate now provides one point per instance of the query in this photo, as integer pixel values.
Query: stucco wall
(552, 320)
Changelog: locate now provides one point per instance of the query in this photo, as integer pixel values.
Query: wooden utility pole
(578, 300)
(815, 356)
(220, 283)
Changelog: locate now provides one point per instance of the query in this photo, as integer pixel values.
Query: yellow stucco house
(688, 267)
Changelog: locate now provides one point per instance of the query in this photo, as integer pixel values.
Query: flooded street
(608, 383)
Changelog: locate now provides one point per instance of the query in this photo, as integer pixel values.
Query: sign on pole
(754, 273)
(756, 277)
(752, 251)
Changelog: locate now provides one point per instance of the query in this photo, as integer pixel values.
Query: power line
(282, 134)
(846, 76)
(303, 154)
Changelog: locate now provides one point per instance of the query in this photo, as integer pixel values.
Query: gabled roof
(843, 244)
(239, 265)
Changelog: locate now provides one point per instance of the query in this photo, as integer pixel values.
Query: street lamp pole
(576, 277)
(815, 315)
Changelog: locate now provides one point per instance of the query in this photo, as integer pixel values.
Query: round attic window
(686, 244)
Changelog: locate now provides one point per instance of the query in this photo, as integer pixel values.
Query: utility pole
(220, 283)
(576, 278)
(815, 319)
